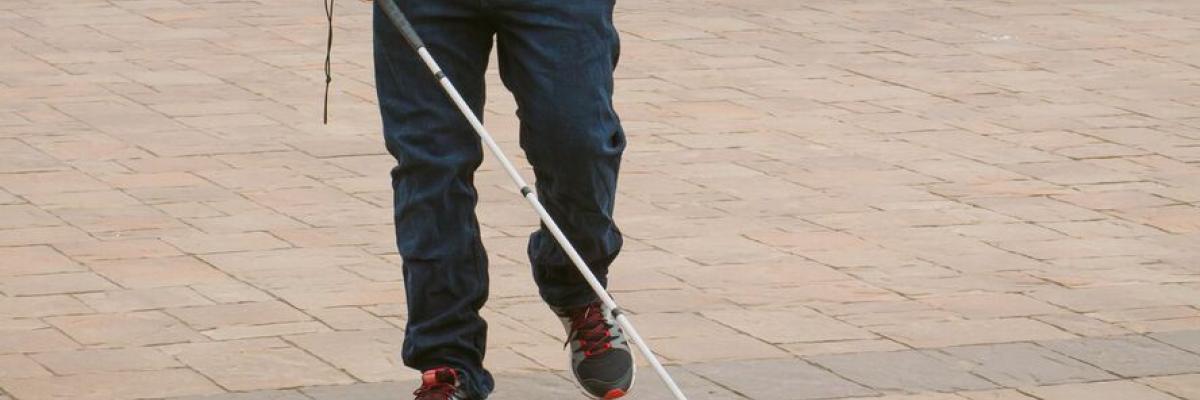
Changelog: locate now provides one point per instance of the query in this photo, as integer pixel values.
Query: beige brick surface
(256, 364)
(113, 385)
(20, 366)
(1102, 390)
(158, 272)
(956, 333)
(142, 299)
(805, 182)
(125, 329)
(1185, 386)
(370, 356)
(788, 325)
(70, 282)
(32, 260)
(20, 339)
(222, 315)
(105, 360)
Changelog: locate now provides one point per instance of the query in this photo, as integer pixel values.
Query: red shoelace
(591, 329)
(437, 384)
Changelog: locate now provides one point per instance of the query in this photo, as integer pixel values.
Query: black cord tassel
(328, 56)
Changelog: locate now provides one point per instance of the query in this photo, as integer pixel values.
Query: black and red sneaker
(600, 356)
(440, 384)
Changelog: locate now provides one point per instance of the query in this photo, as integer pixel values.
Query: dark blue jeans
(557, 58)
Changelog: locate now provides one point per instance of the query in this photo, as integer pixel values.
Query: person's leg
(437, 153)
(558, 57)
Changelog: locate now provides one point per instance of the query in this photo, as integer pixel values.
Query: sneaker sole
(614, 393)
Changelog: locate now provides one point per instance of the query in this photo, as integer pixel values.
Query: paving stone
(30, 260)
(1188, 339)
(117, 249)
(1120, 297)
(788, 326)
(125, 329)
(50, 182)
(1114, 200)
(757, 274)
(256, 395)
(293, 267)
(1184, 386)
(909, 371)
(231, 292)
(347, 318)
(173, 164)
(1024, 364)
(253, 364)
(810, 294)
(142, 299)
(1071, 248)
(527, 386)
(25, 158)
(370, 356)
(362, 391)
(9, 198)
(1117, 390)
(60, 283)
(842, 347)
(105, 360)
(1129, 356)
(42, 235)
(158, 272)
(1037, 209)
(658, 325)
(1002, 394)
(649, 386)
(1082, 325)
(505, 358)
(659, 301)
(337, 236)
(924, 396)
(219, 243)
(224, 315)
(1156, 319)
(41, 306)
(779, 379)
(984, 306)
(187, 210)
(15, 338)
(734, 249)
(1000, 232)
(248, 221)
(1174, 219)
(119, 221)
(1101, 229)
(956, 333)
(342, 295)
(112, 385)
(20, 366)
(163, 197)
(720, 347)
(265, 330)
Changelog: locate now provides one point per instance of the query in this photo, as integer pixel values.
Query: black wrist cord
(328, 56)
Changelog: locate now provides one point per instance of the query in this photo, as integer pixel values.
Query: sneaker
(600, 356)
(440, 384)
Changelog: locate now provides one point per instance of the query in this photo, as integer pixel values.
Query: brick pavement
(926, 200)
